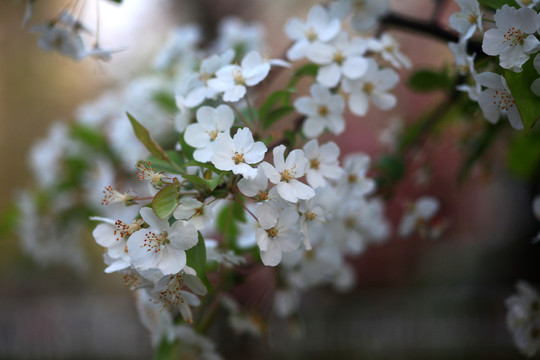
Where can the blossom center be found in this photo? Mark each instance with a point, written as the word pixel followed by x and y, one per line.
pixel 154 242
pixel 369 87
pixel 503 100
pixel 359 6
pixel 238 158
pixel 323 110
pixel 472 18
pixel 310 216
pixel 352 178
pixel 310 34
pixel 339 57
pixel 389 48
pixel 315 163
pixel 288 174
pixel 213 134
pixel 514 37
pixel 171 296
pixel 238 77
pixel 263 195
pixel 350 222
pixel 272 232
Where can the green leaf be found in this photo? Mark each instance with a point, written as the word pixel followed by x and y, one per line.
pixel 523 157
pixel 8 219
pixel 227 222
pixel 290 136
pixel 306 70
pixel 166 350
pixel 276 114
pixel 392 166
pixel 478 147
pixel 166 100
pixel 214 182
pixel 427 80
pixel 186 149
pixel 527 102
pixel 165 201
pixel 497 4
pixel 199 181
pixel 196 258
pixel 89 136
pixel 162 165
pixel 280 96
pixel 144 136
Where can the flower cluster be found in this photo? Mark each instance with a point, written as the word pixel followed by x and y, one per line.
pixel 66 33
pixel 514 39
pixel 211 172
pixel 523 318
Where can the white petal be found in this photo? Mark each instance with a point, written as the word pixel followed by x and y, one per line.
pixel 329 75
pixel 172 260
pixel 272 256
pixel 182 236
pixel 303 191
pixel 358 103
pixel 355 67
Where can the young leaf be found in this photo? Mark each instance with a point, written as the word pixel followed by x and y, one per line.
pixel 276 114
pixel 165 202
pixel 166 100
pixel 89 136
pixel 391 166
pixel 523 157
pixel 280 96
pixel 497 4
pixel 427 80
pixel 196 258
pixel 478 147
pixel 227 222
pixel 144 136
pixel 8 219
pixel 166 350
pixel 306 70
pixel 162 165
pixel 186 149
pixel 527 102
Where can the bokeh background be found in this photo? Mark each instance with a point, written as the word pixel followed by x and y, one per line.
pixel 415 299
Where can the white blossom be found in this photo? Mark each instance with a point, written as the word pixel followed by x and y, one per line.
pixel 277 234
pixel 355 181
pixel 161 246
pixel 418 215
pixel 319 26
pixel 341 57
pixel 235 154
pixel 513 39
pixel 323 110
pixel 232 80
pixel 535 86
pixel 195 212
pixel 468 20
pixel 365 13
pixel 66 41
pixel 200 89
pixel 523 318
pixel 388 48
pixel 113 236
pixel 210 123
pixel 497 99
pixel 322 163
pixel 374 86
pixel 256 187
pixel 285 173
